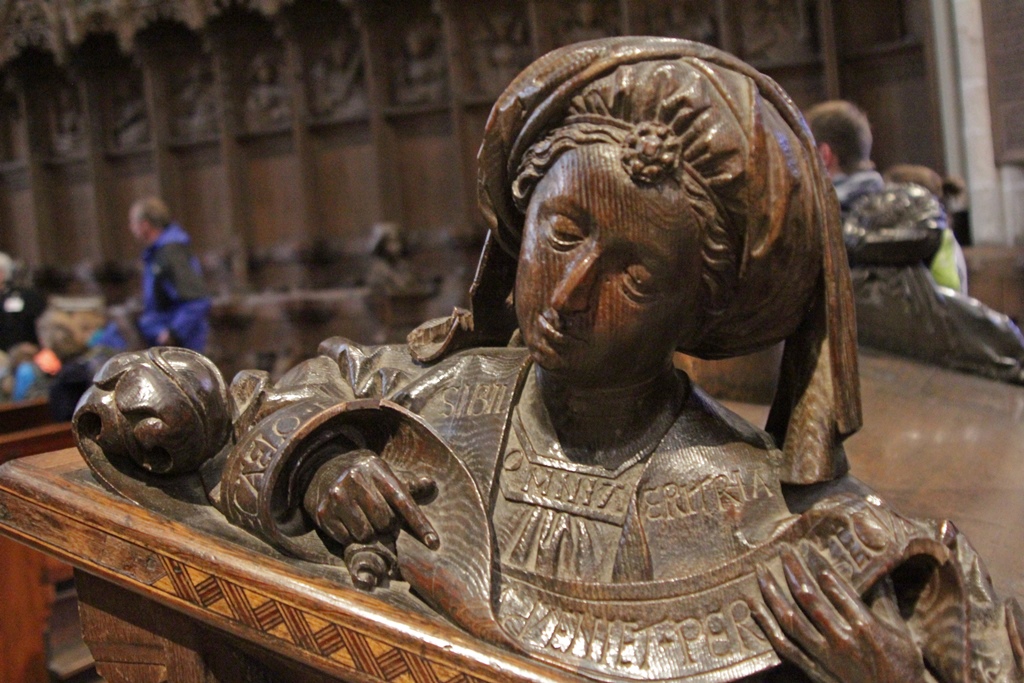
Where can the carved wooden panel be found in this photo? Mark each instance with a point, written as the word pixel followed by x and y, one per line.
pixel 66 121
pixel 419 67
pixel 884 23
pixel 777 31
pixel 266 96
pixel 425 144
pixel 131 177
pixel 690 19
pixel 203 180
pixel 218 585
pixel 7 240
pixel 897 90
pixel 272 183
pixel 31 23
pixel 18 214
pixel 126 125
pixel 496 41
pixel 805 86
pixel 581 20
pixel 13 143
pixel 346 180
pixel 137 641
pixel 354 86
pixel 73 202
pixel 194 112
pixel 335 69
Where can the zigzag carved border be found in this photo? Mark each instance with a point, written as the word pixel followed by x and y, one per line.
pixel 314 634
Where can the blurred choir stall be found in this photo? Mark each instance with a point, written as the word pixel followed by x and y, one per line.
pixel 281 133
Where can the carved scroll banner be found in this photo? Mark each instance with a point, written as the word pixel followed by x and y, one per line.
pixel 698 628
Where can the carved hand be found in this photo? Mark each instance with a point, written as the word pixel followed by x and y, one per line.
pixel 358 497
pixel 828 631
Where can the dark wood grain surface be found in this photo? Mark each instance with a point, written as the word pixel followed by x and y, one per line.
pixel 300 611
pixel 943 444
pixel 935 443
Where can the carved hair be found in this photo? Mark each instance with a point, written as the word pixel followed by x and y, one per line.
pixel 152 209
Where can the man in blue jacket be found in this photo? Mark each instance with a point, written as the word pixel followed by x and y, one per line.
pixel 175 302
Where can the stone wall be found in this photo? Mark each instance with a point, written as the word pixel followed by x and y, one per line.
pixel 996 191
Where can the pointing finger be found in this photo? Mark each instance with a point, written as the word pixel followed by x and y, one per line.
pixel 402 501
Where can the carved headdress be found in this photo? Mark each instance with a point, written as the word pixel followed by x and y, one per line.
pixel 774 262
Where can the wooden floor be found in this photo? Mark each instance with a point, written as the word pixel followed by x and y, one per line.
pixel 947 445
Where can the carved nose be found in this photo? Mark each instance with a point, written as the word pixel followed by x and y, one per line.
pixel 574 289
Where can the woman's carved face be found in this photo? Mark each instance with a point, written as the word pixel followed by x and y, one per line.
pixel 609 271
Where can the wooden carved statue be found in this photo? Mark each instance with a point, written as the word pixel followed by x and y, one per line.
pixel 500 49
pixel 267 100
pixel 891 237
pixel 588 20
pixel 777 31
pixel 337 87
pixel 421 77
pixel 194 102
pixel 538 472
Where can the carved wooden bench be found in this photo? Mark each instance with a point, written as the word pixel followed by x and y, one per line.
pixel 162 601
pixel 28 589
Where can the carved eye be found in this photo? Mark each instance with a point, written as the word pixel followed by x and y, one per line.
pixel 564 233
pixel 638 282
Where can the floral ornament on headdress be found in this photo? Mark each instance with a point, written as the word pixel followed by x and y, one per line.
pixel 650 152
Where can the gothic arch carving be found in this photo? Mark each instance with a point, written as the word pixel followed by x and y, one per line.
pixel 54 25
pixel 31 23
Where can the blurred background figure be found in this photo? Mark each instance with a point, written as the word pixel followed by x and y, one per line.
pixel 68 329
pixel 20 306
pixel 891 238
pixel 397 291
pixel 175 305
pixel 23 378
pixel 389 271
pixel 949 268
pixel 843 135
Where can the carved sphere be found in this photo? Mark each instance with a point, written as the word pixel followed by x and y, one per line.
pixel 163 410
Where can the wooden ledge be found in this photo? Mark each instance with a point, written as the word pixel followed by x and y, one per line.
pixel 41 439
pixel 308 613
pixel 18 415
